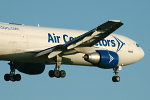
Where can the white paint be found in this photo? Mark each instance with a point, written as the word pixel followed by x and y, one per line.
pixel 22 45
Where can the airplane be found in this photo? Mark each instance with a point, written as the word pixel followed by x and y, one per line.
pixel 29 48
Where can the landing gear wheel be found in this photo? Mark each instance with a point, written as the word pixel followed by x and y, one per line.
pixel 7 77
pixel 57 73
pixel 13 77
pixel 17 77
pixel 115 78
pixel 51 73
pixel 62 73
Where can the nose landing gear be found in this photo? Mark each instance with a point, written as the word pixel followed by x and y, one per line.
pixel 115 78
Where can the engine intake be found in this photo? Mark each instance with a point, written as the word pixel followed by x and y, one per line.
pixel 103 59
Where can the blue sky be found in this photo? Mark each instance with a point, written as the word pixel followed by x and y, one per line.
pixel 81 83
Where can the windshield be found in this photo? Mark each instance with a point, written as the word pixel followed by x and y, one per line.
pixel 137 45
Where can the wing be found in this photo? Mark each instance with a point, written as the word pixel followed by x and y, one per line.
pixel 95 35
pixel 86 40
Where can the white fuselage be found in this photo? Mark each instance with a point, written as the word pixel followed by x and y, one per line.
pixel 21 43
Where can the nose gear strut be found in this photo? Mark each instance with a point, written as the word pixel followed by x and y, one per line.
pixel 116 78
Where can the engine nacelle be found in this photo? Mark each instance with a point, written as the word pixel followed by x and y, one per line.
pixel 29 68
pixel 103 59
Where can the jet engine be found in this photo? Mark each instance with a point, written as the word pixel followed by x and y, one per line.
pixel 103 59
pixel 29 68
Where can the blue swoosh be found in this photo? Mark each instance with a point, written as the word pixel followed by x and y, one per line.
pixel 120 44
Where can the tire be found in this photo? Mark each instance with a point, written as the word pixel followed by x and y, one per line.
pixel 51 73
pixel 114 78
pixel 57 73
pixel 7 77
pixel 62 73
pixel 13 77
pixel 17 77
pixel 117 78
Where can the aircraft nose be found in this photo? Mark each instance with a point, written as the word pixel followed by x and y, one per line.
pixel 140 53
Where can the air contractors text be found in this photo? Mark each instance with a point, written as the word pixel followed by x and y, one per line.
pixel 52 38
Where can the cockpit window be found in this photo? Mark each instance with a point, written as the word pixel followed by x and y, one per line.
pixel 137 45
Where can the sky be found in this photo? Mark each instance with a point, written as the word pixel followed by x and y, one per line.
pixel 81 83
